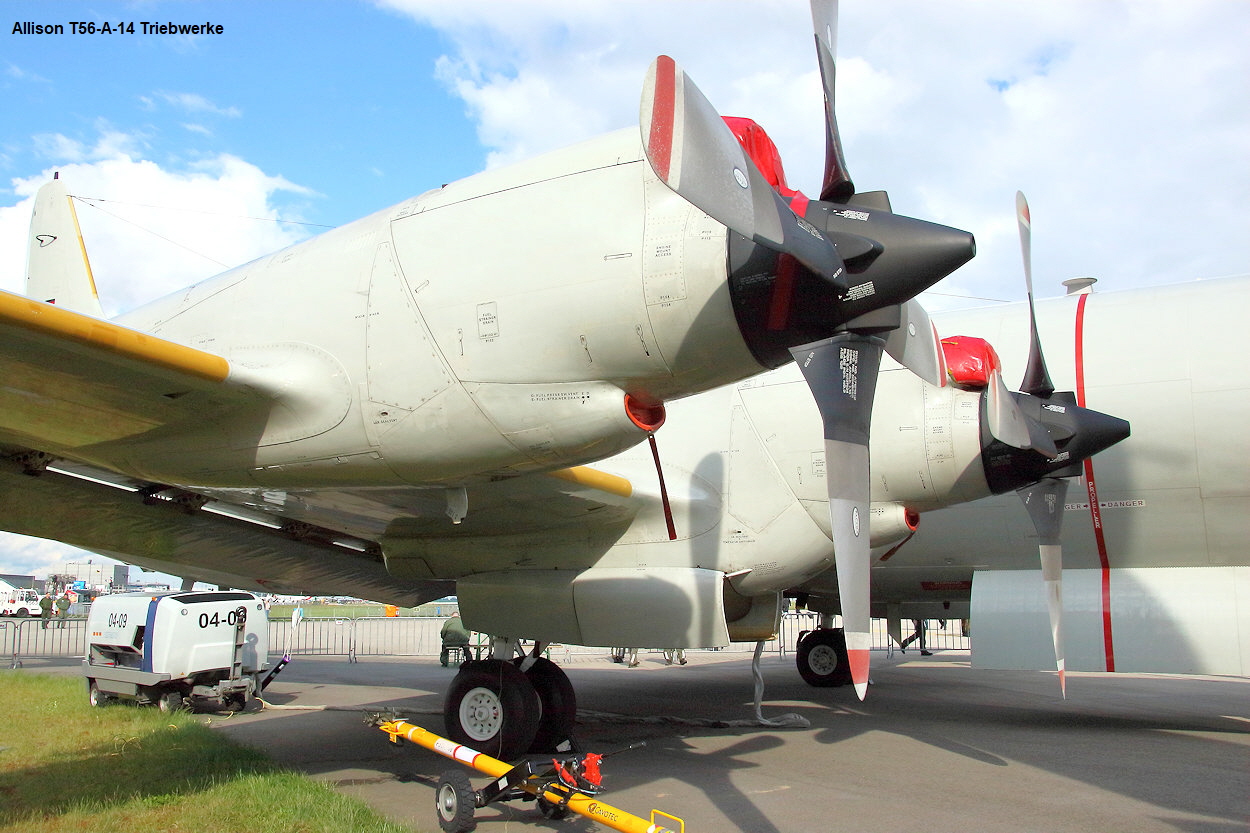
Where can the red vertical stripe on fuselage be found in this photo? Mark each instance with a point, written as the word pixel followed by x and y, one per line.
pixel 663 112
pixel 1091 490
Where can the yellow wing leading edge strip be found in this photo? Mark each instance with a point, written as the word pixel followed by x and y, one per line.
pixel 49 320
pixel 595 479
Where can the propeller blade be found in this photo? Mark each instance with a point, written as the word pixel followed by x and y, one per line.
pixel 1006 422
pixel 1010 425
pixel 694 152
pixel 837 186
pixel 916 345
pixel 842 375
pixel 1036 378
pixel 1044 501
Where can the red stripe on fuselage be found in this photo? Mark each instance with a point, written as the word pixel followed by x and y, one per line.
pixel 1092 493
pixel 663 112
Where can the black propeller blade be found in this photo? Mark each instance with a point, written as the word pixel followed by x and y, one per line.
pixel 1036 377
pixel 1034 441
pixel 842 374
pixel 837 186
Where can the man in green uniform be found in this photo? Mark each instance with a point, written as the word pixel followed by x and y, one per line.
pixel 455 638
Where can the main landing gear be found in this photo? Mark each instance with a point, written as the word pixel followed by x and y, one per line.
pixel 507 708
pixel 822 659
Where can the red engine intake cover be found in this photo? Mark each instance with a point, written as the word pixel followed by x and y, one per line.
pixel 969 361
pixel 763 152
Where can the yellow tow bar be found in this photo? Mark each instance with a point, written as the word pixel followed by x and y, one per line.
pixel 556 792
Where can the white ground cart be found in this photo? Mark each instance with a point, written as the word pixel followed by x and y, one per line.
pixel 173 649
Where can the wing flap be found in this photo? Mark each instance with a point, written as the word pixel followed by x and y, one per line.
pixel 165 536
pixel 242 539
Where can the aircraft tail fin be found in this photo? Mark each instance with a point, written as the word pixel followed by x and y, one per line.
pixel 57 269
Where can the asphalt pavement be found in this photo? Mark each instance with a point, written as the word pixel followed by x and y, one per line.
pixel 937 745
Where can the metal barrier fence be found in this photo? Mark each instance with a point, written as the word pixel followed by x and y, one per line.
pixel 419 636
pixel 412 636
pixel 42 638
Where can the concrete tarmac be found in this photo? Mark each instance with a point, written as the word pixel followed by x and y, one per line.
pixel 936 746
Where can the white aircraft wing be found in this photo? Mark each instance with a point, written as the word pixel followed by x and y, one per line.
pixel 71 380
pixel 320 541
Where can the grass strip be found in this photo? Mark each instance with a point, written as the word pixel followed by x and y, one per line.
pixel 65 766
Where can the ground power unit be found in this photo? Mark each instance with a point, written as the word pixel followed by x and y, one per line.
pixel 176 649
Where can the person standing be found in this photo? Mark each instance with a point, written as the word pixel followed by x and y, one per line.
pixel 45 609
pixel 62 609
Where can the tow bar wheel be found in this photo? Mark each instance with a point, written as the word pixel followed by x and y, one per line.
pixel 454 801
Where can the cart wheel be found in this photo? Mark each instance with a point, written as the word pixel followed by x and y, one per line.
pixel 454 801
pixel 96 697
pixel 171 701
pixel 552 811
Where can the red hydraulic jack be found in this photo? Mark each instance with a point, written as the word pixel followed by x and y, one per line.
pixel 561 784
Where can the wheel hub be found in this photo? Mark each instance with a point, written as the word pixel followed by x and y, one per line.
pixel 447 803
pixel 823 659
pixel 481 714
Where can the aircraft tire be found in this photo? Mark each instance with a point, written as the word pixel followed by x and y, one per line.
pixel 822 659
pixel 492 707
pixel 558 701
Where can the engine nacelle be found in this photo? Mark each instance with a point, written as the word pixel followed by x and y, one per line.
pixel 576 265
pixel 656 607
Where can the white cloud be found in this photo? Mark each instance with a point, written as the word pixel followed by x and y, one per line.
pixel 110 144
pixel 40 558
pixel 1127 123
pixel 18 74
pixel 36 557
pixel 194 103
pixel 153 230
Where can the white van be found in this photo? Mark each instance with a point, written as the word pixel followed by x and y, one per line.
pixel 19 601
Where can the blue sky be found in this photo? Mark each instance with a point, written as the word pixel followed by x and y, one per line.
pixel 1126 123
pixel 327 95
